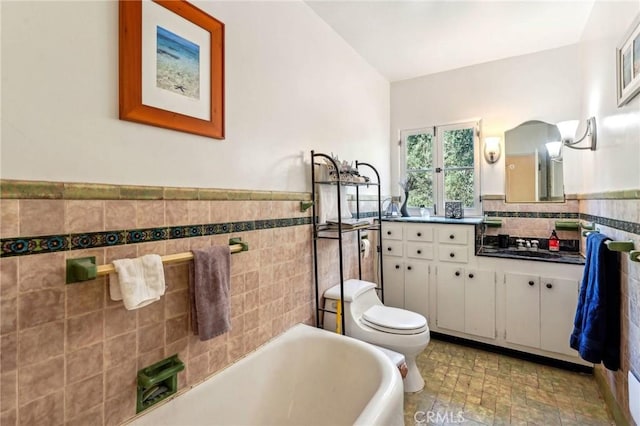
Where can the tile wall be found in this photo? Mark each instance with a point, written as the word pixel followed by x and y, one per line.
pixel 619 219
pixel 618 216
pixel 69 355
pixel 531 220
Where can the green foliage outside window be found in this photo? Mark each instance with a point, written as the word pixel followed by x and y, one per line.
pixel 458 167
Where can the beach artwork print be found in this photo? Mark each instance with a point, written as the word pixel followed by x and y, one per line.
pixel 177 64
pixel 636 57
pixel 626 68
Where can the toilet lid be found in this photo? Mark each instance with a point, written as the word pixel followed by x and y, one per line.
pixel 394 320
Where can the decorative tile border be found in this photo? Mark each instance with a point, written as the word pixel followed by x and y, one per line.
pixel 20 189
pixel 621 225
pixel 533 215
pixel 22 246
pixel 627 194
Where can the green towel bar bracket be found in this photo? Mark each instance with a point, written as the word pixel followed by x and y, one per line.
pixel 305 205
pixel 567 225
pixel 492 223
pixel 588 225
pixel 81 269
pixel 238 240
pixel 625 246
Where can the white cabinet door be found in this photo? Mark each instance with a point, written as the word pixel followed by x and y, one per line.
pixel 416 287
pixel 450 298
pixel 558 301
pixel 480 303
pixel 393 270
pixel 522 309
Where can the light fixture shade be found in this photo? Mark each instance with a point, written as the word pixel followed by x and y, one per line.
pixel 553 148
pixel 492 149
pixel 568 129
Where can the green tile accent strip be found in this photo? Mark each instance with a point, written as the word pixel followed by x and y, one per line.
pixel 141 193
pixel 180 194
pixel 89 191
pixel 19 189
pixel 496 197
pixel 532 215
pixel 14 189
pixel 627 194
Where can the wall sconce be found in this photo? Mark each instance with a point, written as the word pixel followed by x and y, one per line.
pixel 567 131
pixel 492 149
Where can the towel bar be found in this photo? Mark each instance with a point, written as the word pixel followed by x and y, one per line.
pixel 85 269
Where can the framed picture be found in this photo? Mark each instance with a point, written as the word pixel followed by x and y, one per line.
pixel 628 65
pixel 171 66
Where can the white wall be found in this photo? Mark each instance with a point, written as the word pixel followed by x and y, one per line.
pixel 541 86
pixel 615 165
pixel 292 85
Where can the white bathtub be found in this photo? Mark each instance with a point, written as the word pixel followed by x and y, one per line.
pixel 305 376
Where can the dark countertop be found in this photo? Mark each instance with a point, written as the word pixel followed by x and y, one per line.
pixel 435 219
pixel 573 258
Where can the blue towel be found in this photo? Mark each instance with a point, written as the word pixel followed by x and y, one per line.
pixel 596 332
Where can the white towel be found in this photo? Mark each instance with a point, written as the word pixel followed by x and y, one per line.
pixel 138 282
pixel 328 203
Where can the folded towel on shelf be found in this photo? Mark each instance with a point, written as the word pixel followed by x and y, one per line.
pixel 209 289
pixel 596 332
pixel 137 282
pixel 328 203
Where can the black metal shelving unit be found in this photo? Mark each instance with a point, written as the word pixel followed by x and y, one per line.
pixel 322 232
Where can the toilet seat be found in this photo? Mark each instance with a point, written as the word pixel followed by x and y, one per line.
pixel 394 320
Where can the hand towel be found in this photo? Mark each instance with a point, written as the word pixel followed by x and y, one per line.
pixel 596 332
pixel 209 284
pixel 138 281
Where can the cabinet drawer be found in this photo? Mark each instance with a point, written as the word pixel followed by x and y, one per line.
pixel 420 251
pixel 455 234
pixel 392 248
pixel 450 253
pixel 419 233
pixel 391 231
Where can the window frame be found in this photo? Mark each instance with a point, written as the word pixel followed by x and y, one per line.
pixel 438 162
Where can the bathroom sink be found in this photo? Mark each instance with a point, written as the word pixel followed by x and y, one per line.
pixel 542 255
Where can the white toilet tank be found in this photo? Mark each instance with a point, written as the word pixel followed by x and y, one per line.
pixel 363 292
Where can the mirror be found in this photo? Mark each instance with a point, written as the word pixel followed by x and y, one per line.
pixel 531 175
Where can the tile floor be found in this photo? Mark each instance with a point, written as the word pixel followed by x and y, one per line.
pixel 474 387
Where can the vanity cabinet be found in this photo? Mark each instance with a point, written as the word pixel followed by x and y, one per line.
pixel 466 300
pixel 407 284
pixel 539 311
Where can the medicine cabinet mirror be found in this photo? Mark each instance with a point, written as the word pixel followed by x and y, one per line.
pixel 531 175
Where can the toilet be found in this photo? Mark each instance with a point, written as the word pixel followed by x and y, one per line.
pixel 367 319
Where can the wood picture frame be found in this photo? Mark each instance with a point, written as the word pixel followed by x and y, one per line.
pixel 628 65
pixel 171 66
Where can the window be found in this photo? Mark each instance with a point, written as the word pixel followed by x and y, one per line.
pixel 445 164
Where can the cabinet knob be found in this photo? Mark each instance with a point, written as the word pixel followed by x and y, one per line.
pixel 409 267
pixel 388 232
pixel 397 266
pixel 451 237
pixel 452 255
pixel 419 251
pixel 470 275
pixel 419 234
pixel 457 273
pixel 549 285
pixel 388 248
pixel 531 283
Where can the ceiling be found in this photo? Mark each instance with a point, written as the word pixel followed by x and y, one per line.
pixel 405 39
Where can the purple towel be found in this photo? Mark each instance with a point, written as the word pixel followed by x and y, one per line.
pixel 209 279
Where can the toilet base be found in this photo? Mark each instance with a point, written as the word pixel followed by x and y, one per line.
pixel 414 381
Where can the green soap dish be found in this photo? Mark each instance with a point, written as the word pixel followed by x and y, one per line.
pixel 157 382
